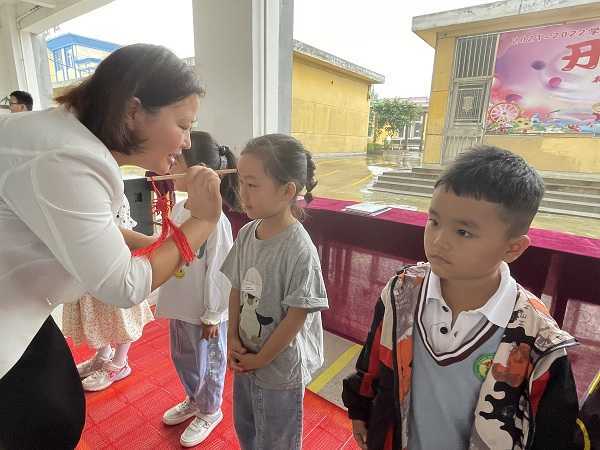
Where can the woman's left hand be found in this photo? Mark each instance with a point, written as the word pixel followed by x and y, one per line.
pixel 209 331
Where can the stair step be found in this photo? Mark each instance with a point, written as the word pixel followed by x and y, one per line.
pixel 575 189
pixel 425 176
pixel 404 186
pixel 571 205
pixel 548 179
pixel 576 196
pixel 399 192
pixel 572 182
pixel 589 190
pixel 424 170
pixel 565 212
pixel 553 206
pixel 590 199
pixel 572 202
pixel 408 179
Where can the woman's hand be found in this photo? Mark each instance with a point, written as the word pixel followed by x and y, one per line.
pixel 204 197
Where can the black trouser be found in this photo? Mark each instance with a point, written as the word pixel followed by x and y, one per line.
pixel 42 405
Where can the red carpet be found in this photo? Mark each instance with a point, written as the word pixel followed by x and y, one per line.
pixel 128 414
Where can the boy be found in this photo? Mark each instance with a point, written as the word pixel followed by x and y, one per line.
pixel 460 356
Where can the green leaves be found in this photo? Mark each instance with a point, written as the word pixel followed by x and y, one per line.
pixel 392 115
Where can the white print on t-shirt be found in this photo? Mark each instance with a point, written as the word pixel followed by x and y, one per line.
pixel 251 322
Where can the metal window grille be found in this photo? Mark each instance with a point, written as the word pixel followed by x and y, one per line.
pixel 474 56
pixel 455 145
pixel 472 74
pixel 469 103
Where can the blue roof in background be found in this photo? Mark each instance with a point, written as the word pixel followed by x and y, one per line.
pixel 68 39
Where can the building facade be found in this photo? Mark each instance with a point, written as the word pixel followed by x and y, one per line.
pixel 520 75
pixel 330 96
pixel 72 57
pixel 330 101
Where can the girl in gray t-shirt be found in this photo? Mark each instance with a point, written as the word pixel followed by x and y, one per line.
pixel 275 336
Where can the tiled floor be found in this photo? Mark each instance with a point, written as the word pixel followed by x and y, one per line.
pixel 128 414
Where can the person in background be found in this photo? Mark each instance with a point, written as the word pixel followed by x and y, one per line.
pixel 102 326
pixel 20 101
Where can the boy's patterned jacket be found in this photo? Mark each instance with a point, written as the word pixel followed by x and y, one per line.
pixel 527 400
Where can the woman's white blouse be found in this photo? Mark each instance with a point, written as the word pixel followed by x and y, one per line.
pixel 59 190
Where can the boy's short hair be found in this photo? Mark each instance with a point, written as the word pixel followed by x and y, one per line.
pixel 498 176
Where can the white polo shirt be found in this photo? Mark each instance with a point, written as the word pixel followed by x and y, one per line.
pixel 435 316
pixel 59 190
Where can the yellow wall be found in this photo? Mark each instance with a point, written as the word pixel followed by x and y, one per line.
pixel 438 100
pixel 551 152
pixel 86 52
pixel 330 107
pixel 569 153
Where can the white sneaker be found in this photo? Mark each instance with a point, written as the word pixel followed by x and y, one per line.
pixel 86 368
pixel 180 412
pixel 103 378
pixel 199 429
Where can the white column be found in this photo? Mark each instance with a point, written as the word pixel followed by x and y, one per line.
pixel 40 58
pixel 286 48
pixel 29 64
pixel 12 71
pixel 237 52
pixel 23 61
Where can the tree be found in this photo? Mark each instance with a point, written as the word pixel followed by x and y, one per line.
pixel 392 115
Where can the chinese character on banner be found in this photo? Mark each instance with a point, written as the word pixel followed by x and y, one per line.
pixel 581 51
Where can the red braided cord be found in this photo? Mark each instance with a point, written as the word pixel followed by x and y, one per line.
pixel 162 206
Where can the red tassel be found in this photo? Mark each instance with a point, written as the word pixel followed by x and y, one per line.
pixel 162 206
pixel 187 254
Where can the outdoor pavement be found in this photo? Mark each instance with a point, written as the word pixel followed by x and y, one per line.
pixel 348 178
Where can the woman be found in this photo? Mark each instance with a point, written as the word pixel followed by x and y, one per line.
pixel 59 187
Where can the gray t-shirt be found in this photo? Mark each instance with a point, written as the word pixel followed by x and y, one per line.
pixel 273 275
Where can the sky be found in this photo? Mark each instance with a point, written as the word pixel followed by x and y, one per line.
pixel 375 34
